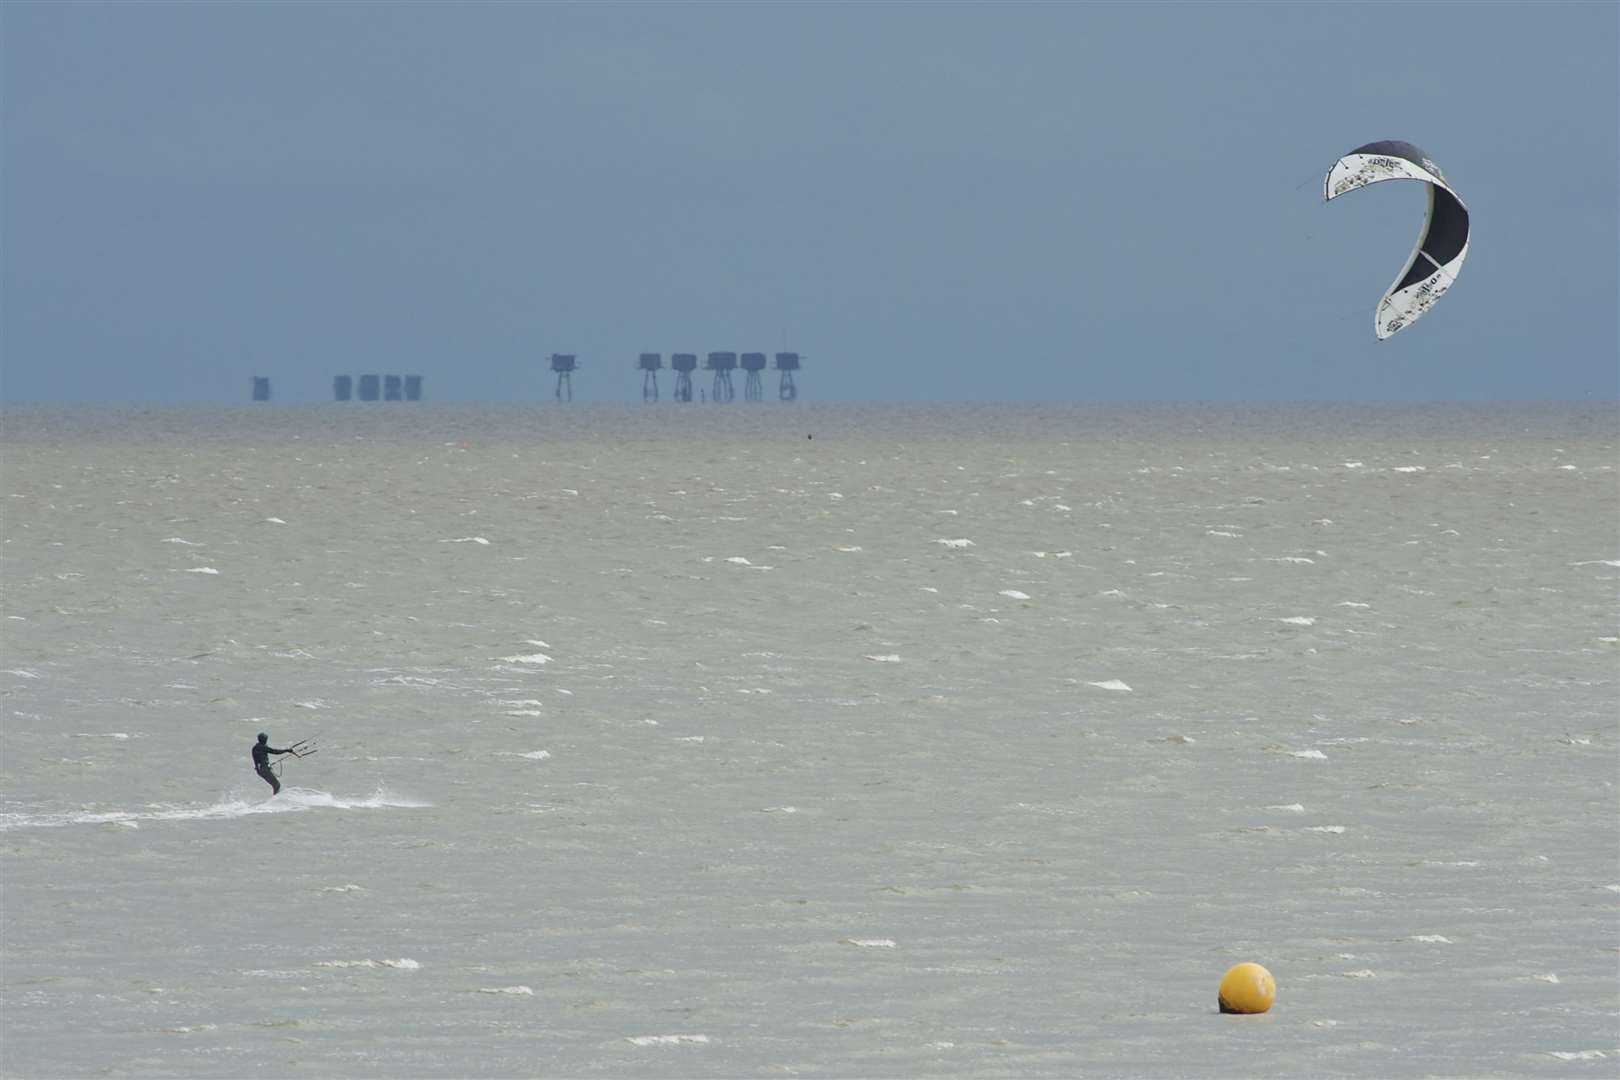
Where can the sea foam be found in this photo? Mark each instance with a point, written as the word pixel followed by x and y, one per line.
pixel 292 800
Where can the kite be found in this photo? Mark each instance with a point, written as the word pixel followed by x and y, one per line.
pixel 1441 247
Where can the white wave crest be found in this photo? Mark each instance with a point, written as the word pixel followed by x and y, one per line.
pixel 292 800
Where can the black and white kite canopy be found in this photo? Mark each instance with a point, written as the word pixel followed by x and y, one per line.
pixel 1443 244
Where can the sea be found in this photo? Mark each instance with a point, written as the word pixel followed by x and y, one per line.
pixel 809 740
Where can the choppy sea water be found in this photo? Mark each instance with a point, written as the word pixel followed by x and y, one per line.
pixel 814 741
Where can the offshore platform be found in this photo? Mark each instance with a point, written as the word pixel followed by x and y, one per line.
pixel 389 387
pixel 753 363
pixel 564 364
pixel 377 387
pixel 649 364
pixel 787 363
pixel 684 364
pixel 722 364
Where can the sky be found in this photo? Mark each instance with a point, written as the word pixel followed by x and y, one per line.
pixel 1052 202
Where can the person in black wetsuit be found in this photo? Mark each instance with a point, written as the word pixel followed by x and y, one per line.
pixel 261 762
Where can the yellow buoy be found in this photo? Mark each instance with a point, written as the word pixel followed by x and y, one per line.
pixel 1247 988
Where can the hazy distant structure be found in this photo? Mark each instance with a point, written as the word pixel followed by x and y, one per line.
pixel 261 388
pixel 649 364
pixel 392 387
pixel 787 363
pixel 564 364
pixel 722 364
pixel 753 363
pixel 684 364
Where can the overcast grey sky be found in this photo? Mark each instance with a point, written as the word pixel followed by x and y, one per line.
pixel 1063 202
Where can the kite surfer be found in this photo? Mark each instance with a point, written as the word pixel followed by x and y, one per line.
pixel 261 761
